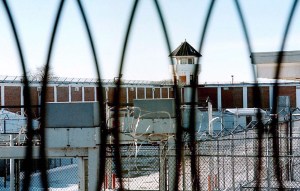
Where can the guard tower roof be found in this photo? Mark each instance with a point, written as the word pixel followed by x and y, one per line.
pixel 185 49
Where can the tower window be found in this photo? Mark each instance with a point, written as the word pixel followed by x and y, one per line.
pixel 191 79
pixel 190 61
pixel 184 61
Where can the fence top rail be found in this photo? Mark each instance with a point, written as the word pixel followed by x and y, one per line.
pixel 69 80
pixel 167 82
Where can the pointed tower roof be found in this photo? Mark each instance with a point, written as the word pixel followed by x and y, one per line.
pixel 185 49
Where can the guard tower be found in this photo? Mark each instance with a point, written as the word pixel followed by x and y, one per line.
pixel 185 56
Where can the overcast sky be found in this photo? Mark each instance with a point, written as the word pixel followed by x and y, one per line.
pixel 224 52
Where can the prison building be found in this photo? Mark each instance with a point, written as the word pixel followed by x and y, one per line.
pixel 237 95
pixel 186 68
pixel 266 64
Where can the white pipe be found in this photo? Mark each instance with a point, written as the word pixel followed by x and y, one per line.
pixel 160 93
pixel 70 93
pixel 136 93
pixel 2 95
pixel 82 94
pixel 245 97
pixel 209 108
pixel 95 93
pixel 219 98
pixel 271 90
pixel 12 167
pixel 22 99
pixel 127 95
pixel 55 93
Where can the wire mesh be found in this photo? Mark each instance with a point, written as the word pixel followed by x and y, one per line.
pixel 62 174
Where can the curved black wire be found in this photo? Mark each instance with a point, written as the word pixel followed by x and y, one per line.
pixel 179 128
pixel 274 123
pixel 100 98
pixel 27 100
pixel 43 163
pixel 102 155
pixel 192 120
pixel 256 94
pixel 116 100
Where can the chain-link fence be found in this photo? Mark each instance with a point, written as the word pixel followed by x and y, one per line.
pixel 62 174
pixel 231 162
pixel 225 163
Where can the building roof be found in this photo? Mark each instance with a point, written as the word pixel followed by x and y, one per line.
pixel 185 49
pixel 271 57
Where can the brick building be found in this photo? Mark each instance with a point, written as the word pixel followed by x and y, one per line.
pixel 232 95
pixel 238 95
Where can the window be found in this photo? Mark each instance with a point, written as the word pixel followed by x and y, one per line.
pixel 184 61
pixel 190 61
pixel 191 79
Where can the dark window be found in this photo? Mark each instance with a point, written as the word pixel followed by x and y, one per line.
pixel 191 79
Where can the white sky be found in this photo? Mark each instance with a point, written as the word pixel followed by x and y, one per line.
pixel 224 53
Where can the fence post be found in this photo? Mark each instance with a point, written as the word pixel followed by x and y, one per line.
pixel 218 164
pixel 232 161
pixel 93 167
pixel 81 173
pixel 171 164
pixel 183 168
pixel 211 167
pixel 290 143
pixel 17 175
pixel 162 167
pixel 223 162
pixel 268 163
pixel 246 155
